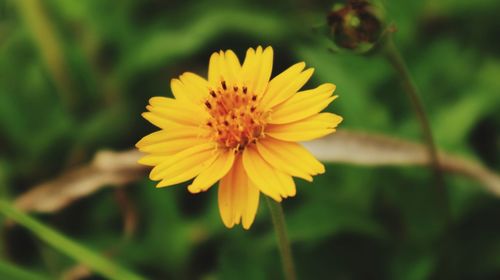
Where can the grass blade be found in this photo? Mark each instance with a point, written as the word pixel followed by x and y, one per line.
pixel 66 246
pixel 10 271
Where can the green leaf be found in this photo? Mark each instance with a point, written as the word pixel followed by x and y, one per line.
pixel 158 47
pixel 66 246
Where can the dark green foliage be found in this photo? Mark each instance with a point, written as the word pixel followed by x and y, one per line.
pixel 351 223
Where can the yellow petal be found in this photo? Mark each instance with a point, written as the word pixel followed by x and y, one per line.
pixel 248 69
pixel 153 160
pixel 180 117
pixel 272 182
pixel 232 67
pixel 168 113
pixel 195 87
pixel 164 135
pixel 248 63
pixel 285 85
pixel 172 146
pixel 224 66
pixel 190 158
pixel 167 143
pixel 160 121
pixel 290 157
pixel 189 88
pixel 177 111
pixel 256 69
pixel 274 152
pixel 287 184
pixel 213 173
pixel 251 196
pixel 304 104
pixel 186 170
pixel 305 130
pixel 263 72
pixel 238 197
pixel 227 205
pixel 214 70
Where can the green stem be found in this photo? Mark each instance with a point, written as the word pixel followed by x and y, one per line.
pixel 67 246
pixel 396 60
pixel 281 235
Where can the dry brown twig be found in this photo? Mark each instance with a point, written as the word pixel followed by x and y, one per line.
pixel 120 168
pixel 379 150
pixel 107 169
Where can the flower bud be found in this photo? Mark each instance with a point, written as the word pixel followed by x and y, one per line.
pixel 356 25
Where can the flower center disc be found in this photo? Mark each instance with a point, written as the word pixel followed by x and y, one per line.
pixel 235 120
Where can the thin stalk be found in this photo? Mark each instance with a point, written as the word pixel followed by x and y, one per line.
pixel 4 194
pixel 396 60
pixel 3 249
pixel 281 235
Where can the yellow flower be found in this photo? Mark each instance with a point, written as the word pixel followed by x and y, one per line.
pixel 239 128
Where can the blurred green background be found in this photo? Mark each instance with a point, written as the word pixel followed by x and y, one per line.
pixel 75 76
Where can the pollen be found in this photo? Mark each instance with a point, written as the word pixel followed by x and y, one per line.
pixel 234 118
